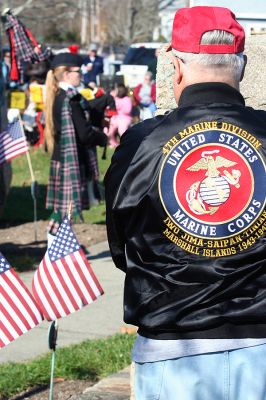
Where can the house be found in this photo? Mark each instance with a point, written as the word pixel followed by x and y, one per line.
pixel 251 15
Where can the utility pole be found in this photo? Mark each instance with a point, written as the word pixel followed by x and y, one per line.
pixel 92 19
pixel 98 21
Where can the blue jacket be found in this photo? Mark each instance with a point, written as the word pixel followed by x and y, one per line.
pixel 97 69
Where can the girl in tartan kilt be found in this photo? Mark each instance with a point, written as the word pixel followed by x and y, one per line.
pixel 68 136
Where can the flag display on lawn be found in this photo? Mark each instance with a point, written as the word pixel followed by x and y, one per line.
pixel 13 142
pixel 18 310
pixel 64 281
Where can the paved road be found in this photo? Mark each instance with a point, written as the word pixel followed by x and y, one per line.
pixel 100 319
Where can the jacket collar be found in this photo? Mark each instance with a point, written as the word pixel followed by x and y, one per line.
pixel 210 92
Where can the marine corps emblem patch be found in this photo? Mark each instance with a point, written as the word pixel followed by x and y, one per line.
pixel 213 188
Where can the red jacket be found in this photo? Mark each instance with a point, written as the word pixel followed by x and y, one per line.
pixel 137 90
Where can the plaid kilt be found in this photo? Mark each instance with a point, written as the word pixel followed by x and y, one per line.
pixel 67 179
pixel 92 164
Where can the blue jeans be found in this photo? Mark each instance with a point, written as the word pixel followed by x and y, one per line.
pixel 231 375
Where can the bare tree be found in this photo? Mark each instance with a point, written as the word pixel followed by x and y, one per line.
pixel 105 21
pixel 132 21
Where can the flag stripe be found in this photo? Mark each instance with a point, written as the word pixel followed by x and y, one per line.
pixel 12 155
pixel 66 281
pixel 5 335
pixel 46 290
pixel 33 313
pixel 80 269
pixel 85 296
pixel 14 151
pixel 13 318
pixel 55 303
pixel 13 310
pixel 41 297
pixel 18 311
pixel 11 303
pixel 2 344
pixel 12 330
pixel 61 294
pixel 9 144
pixel 73 280
pixel 90 274
pixel 23 298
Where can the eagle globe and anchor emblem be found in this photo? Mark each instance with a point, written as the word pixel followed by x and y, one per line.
pixel 212 189
pixel 206 196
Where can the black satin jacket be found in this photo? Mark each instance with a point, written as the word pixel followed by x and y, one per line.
pixel 186 218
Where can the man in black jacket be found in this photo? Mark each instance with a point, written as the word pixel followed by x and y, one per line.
pixel 186 221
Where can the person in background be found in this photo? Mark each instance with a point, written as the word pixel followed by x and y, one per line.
pixel 185 214
pixel 121 121
pixel 6 67
pixel 68 133
pixel 152 66
pixel 145 96
pixel 97 108
pixel 92 66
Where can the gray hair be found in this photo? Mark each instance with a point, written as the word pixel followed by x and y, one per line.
pixel 234 62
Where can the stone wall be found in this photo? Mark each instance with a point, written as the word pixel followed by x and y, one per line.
pixel 253 86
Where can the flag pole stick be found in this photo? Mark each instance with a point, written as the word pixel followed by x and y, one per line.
pixel 52 376
pixel 52 337
pixel 33 186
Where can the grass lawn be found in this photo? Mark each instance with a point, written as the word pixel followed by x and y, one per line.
pixel 19 207
pixel 92 360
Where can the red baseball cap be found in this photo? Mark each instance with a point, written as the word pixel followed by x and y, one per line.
pixel 191 23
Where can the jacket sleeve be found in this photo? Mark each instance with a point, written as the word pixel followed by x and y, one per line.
pixel 87 134
pixel 116 220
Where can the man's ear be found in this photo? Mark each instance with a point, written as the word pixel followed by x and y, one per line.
pixel 244 67
pixel 178 67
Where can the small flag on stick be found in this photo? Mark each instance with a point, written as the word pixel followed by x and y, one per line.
pixel 13 142
pixel 64 281
pixel 18 310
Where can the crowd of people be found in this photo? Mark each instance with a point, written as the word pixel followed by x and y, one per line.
pixel 62 103
pixel 138 102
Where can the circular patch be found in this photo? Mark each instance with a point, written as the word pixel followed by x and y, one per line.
pixel 212 184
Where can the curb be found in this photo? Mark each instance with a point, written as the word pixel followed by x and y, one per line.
pixel 114 387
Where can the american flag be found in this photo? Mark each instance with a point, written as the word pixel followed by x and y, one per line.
pixel 64 281
pixel 18 310
pixel 13 142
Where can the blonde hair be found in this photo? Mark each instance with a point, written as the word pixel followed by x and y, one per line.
pixel 52 87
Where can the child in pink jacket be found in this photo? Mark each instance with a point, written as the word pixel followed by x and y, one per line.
pixel 122 120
